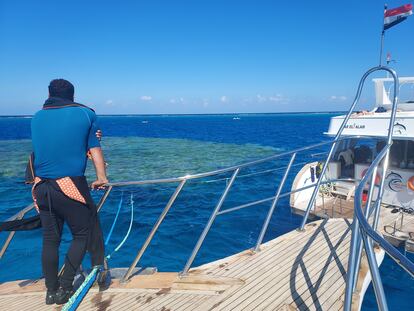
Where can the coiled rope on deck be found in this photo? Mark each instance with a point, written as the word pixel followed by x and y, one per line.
pixel 83 289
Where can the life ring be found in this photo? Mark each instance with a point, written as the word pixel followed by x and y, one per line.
pixel 377 178
pixel 410 183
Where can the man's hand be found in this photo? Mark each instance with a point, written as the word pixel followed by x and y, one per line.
pixel 99 184
pixel 98 134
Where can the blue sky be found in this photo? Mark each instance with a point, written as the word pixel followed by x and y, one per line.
pixel 195 56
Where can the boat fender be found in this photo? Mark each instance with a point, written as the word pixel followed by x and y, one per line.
pixel 312 173
pixel 410 183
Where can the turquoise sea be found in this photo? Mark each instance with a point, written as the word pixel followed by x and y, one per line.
pixel 147 147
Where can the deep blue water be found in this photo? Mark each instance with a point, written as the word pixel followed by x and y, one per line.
pixel 141 147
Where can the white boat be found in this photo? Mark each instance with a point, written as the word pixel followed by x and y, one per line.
pixel 367 132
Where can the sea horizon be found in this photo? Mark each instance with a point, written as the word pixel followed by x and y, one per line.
pixel 194 114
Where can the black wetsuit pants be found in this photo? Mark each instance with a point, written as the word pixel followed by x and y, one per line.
pixel 81 221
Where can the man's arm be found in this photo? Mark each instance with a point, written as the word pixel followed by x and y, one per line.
pixel 98 135
pixel 99 163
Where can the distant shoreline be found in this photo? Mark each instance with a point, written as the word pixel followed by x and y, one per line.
pixel 193 114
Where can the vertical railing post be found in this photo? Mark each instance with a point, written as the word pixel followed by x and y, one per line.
pixel 153 230
pixel 376 278
pixel 355 254
pixel 209 223
pixel 377 207
pixel 7 242
pixel 375 274
pixel 367 212
pixel 103 198
pixel 350 275
pixel 389 143
pixel 274 203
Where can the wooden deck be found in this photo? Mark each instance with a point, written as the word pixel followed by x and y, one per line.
pixel 297 271
pixel 395 227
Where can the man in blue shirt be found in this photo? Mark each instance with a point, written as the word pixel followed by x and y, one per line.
pixel 62 134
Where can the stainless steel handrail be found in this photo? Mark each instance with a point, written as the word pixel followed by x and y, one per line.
pixel 367 234
pixel 363 234
pixel 256 173
pixel 228 169
pixel 183 179
pixel 22 212
pixel 217 211
pixel 18 215
pixel 169 204
pixel 209 224
pixel 153 230
pixel 399 258
pixel 356 243
pixel 337 136
pixel 285 194
pixel 273 206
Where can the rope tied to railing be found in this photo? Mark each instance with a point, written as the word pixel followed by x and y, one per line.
pixel 74 301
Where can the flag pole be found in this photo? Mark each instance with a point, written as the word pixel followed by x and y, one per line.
pixel 382 44
pixel 382 36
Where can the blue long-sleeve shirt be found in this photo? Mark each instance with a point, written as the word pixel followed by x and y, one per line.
pixel 61 138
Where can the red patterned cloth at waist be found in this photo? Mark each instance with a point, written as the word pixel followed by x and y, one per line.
pixel 66 185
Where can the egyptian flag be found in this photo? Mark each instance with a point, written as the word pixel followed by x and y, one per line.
pixel 395 16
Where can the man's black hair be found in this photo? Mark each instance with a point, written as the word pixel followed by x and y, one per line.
pixel 61 88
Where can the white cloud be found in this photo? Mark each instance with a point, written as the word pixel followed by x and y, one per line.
pixel 276 98
pixel 177 100
pixel 261 98
pixel 338 98
pixel 273 98
pixel 224 99
pixel 109 102
pixel 145 98
pixel 205 103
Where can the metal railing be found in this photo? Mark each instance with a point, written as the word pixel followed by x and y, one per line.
pixel 364 234
pixel 234 170
pixel 9 238
pixel 218 210
pixel 339 134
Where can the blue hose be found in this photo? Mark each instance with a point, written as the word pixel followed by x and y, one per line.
pixel 74 301
pixel 115 220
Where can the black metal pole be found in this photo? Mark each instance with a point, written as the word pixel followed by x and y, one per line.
pixel 382 44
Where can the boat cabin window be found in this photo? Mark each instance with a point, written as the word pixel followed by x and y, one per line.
pixel 356 151
pixel 397 154
pixel 354 155
pixel 402 154
pixel 410 154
